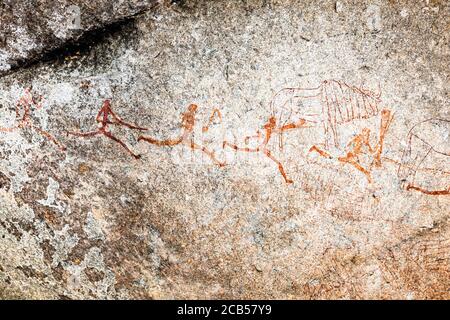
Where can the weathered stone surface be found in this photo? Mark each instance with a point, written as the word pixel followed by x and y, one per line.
pixel 94 222
pixel 29 28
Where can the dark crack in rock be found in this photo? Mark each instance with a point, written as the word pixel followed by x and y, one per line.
pixel 29 29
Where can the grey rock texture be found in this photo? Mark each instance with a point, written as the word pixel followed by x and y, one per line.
pixel 91 221
pixel 31 28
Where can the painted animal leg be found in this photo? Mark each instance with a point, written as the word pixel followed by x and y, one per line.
pixel 109 135
pixel 429 192
pixel 419 163
pixel 167 143
pixel 50 137
pixel 350 159
pixel 386 120
pixel 280 166
pixel 320 152
pixel 124 123
pixel 295 125
pixel 209 153
pixel 290 126
pixel 235 147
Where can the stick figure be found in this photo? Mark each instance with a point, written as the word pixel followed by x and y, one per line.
pixel 270 127
pixel 352 157
pixel 362 140
pixel 26 102
pixel 103 120
pixel 186 137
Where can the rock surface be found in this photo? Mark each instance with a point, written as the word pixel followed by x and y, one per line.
pixel 91 221
pixel 31 28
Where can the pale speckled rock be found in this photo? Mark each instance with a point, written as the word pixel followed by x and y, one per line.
pixel 93 222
